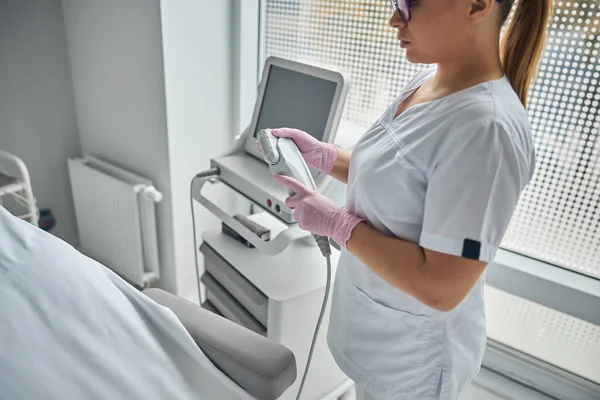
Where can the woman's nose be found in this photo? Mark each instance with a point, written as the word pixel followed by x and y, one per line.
pixel 396 21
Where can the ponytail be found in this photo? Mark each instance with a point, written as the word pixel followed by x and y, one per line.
pixel 523 43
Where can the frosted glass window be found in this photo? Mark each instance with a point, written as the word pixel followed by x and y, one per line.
pixel 558 218
pixel 544 333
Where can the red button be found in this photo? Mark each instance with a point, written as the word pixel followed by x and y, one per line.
pixel 269 203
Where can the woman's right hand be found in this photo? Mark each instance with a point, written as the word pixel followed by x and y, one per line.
pixel 317 154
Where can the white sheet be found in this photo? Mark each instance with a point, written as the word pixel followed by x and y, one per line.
pixel 72 329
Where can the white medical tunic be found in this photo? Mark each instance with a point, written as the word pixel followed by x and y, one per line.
pixel 447 175
pixel 71 329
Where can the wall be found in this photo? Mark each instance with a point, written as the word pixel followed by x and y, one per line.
pixel 153 91
pixel 116 62
pixel 37 115
pixel 197 43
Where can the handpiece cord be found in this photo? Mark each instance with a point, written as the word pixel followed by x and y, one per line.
pixel 205 174
pixel 323 243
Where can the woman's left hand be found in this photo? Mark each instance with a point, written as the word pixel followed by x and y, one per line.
pixel 317 213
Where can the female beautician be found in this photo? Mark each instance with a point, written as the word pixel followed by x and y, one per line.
pixel 432 186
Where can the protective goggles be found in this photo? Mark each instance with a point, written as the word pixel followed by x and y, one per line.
pixel 403 8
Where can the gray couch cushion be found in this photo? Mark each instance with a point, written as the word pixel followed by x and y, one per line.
pixel 263 368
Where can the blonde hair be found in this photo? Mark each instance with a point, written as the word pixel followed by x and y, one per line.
pixel 522 45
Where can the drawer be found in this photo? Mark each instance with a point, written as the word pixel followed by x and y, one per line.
pixel 229 307
pixel 239 287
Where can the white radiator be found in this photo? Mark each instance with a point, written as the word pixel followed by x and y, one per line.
pixel 116 218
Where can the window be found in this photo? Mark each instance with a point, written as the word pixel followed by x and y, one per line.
pixel 558 218
pixel 549 335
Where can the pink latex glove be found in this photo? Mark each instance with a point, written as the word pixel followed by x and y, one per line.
pixel 317 154
pixel 317 213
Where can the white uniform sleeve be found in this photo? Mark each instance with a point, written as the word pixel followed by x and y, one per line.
pixel 472 193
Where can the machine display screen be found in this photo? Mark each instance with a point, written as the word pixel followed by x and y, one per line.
pixel 296 100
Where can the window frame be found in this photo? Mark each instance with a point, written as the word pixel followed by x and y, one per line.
pixel 508 372
pixel 246 58
pixel 546 284
pixel 504 370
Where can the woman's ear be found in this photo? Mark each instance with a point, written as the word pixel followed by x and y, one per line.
pixel 479 9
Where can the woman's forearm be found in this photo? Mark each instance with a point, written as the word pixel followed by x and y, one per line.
pixel 398 262
pixel 342 163
pixel 440 281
